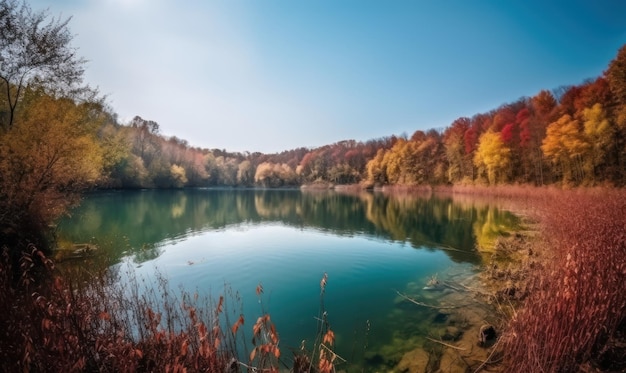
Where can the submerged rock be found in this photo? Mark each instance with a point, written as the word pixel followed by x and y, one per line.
pixel 452 333
pixel 486 335
pixel 75 251
pixel 441 317
pixel 415 361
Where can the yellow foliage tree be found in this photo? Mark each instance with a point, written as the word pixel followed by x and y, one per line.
pixel 565 145
pixel 394 162
pixel 376 172
pixel 179 176
pixel 600 135
pixel 492 157
pixel 270 174
pixel 49 155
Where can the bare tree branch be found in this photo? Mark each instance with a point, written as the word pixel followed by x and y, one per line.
pixel 35 49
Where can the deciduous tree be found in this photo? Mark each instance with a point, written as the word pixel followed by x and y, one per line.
pixel 616 76
pixel 35 48
pixel 455 149
pixel 49 155
pixel 565 146
pixel 493 157
pixel 600 136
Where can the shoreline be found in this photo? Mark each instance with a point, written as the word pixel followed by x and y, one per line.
pixel 550 284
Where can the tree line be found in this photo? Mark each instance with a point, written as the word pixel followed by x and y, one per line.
pixel 571 136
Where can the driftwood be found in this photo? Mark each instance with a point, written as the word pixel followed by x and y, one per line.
pixel 424 304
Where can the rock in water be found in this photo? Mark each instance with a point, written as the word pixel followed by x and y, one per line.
pixel 415 361
pixel 486 335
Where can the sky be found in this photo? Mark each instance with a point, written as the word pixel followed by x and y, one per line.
pixel 274 75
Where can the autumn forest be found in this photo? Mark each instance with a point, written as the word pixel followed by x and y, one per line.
pixel 59 137
pixel 572 136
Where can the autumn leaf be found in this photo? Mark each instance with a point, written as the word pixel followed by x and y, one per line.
pixel 104 316
pixel 258 326
pixel 220 305
pixel 237 324
pixel 276 352
pixel 324 281
pixel 183 348
pixel 329 337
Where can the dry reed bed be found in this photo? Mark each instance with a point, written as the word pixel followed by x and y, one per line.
pixel 574 318
pixel 65 322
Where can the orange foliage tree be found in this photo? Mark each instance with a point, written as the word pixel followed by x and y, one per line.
pixel 565 146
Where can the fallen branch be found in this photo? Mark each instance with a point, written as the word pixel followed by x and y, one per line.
pixel 450 285
pixel 448 248
pixel 474 290
pixel 446 344
pixel 424 304
pixel 493 349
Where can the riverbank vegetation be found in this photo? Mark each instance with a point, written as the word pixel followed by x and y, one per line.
pixel 59 321
pixel 58 138
pixel 558 286
pixel 574 318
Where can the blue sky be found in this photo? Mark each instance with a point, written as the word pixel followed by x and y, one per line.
pixel 272 75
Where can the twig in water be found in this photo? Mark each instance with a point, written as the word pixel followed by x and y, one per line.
pixel 333 352
pixel 424 304
pixel 446 344
pixel 488 357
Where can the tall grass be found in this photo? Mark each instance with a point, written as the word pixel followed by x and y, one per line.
pixel 575 318
pixel 64 322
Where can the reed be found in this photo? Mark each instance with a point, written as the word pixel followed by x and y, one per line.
pixel 575 316
pixel 61 321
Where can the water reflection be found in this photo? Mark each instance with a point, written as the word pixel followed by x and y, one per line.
pixel 139 223
pixel 368 243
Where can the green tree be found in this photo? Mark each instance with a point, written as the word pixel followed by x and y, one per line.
pixel 34 48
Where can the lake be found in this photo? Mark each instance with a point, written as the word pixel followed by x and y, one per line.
pixel 371 246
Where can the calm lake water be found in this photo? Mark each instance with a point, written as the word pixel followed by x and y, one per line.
pixel 369 244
